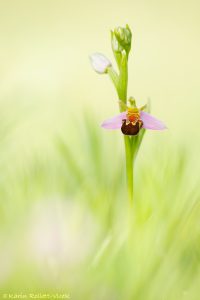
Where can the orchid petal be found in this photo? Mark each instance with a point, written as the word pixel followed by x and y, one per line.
pixel 150 122
pixel 99 62
pixel 115 122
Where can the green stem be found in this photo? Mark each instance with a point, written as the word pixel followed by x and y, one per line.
pixel 121 84
pixel 129 168
pixel 122 93
pixel 123 79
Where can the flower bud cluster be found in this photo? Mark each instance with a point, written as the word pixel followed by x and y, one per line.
pixel 121 39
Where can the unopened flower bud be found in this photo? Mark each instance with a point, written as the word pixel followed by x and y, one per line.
pixel 100 63
pixel 115 44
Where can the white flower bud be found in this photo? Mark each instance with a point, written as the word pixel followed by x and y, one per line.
pixel 100 63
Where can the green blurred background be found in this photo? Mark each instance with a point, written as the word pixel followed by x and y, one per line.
pixel 63 206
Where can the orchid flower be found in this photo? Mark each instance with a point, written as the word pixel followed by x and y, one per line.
pixel 132 120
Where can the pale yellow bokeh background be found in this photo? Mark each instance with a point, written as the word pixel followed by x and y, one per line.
pixel 47 85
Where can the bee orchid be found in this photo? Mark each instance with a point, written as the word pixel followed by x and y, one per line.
pixel 132 120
